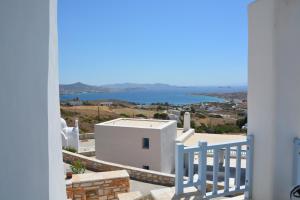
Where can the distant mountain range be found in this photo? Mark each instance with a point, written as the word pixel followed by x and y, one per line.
pixel 77 88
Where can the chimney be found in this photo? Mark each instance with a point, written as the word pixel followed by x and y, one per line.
pixel 186 121
pixel 76 123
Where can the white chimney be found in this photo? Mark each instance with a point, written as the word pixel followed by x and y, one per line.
pixel 76 123
pixel 187 121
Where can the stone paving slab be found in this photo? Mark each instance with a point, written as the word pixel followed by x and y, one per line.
pixel 130 195
pixel 190 193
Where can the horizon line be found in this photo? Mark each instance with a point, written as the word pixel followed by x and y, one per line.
pixel 174 85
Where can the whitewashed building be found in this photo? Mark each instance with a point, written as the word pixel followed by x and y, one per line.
pixel 69 135
pixel 143 143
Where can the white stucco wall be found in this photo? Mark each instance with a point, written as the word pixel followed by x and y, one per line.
pixel 123 145
pixel 168 140
pixel 30 145
pixel 274 69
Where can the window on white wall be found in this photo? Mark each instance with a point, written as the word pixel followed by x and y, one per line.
pixel 146 143
pixel 146 167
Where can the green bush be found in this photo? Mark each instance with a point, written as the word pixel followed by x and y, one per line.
pixel 241 122
pixel 141 115
pixel 193 110
pixel 87 103
pixel 124 115
pixel 78 167
pixel 225 128
pixel 193 124
pixel 71 149
pixel 179 125
pixel 161 116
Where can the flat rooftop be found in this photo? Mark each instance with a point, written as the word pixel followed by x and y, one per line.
pixel 138 123
pixel 212 138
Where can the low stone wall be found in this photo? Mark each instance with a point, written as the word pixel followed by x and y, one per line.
pixel 102 185
pixel 88 153
pixel 134 173
pixel 184 136
pixel 86 136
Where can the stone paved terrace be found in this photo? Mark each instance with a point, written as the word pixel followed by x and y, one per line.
pixel 86 145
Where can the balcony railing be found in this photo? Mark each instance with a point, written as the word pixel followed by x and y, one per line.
pixel 223 152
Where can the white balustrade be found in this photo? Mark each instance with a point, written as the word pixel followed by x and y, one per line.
pixel 221 154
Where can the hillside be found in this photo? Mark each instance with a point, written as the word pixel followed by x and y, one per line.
pixel 79 87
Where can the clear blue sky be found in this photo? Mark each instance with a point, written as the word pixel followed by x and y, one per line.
pixel 179 42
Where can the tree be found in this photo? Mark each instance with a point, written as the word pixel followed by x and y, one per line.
pixel 193 109
pixel 241 122
pixel 161 116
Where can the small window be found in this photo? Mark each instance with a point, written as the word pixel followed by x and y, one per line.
pixel 146 167
pixel 146 143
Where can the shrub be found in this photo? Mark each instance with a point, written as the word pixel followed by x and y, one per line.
pixel 78 167
pixel 241 122
pixel 179 125
pixel 124 115
pixel 193 124
pixel 193 110
pixel 87 103
pixel 141 115
pixel 71 149
pixel 225 128
pixel 161 116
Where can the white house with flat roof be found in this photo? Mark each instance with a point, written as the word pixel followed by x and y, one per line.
pixel 143 143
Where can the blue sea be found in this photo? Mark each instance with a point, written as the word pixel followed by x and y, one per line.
pixel 179 96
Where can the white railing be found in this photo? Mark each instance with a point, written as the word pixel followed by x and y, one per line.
pixel 199 180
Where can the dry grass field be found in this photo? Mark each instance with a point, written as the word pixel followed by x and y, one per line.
pixel 90 115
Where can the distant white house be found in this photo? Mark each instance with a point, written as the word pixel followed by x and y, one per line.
pixel 174 115
pixel 108 104
pixel 75 103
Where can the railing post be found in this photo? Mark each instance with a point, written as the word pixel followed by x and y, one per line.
pixel 238 167
pixel 191 167
pixel 221 157
pixel 202 167
pixel 215 171
pixel 179 156
pixel 227 169
pixel 249 167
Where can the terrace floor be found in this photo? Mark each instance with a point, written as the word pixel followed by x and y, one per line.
pixel 190 193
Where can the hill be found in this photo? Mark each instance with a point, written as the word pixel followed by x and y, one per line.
pixel 79 87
